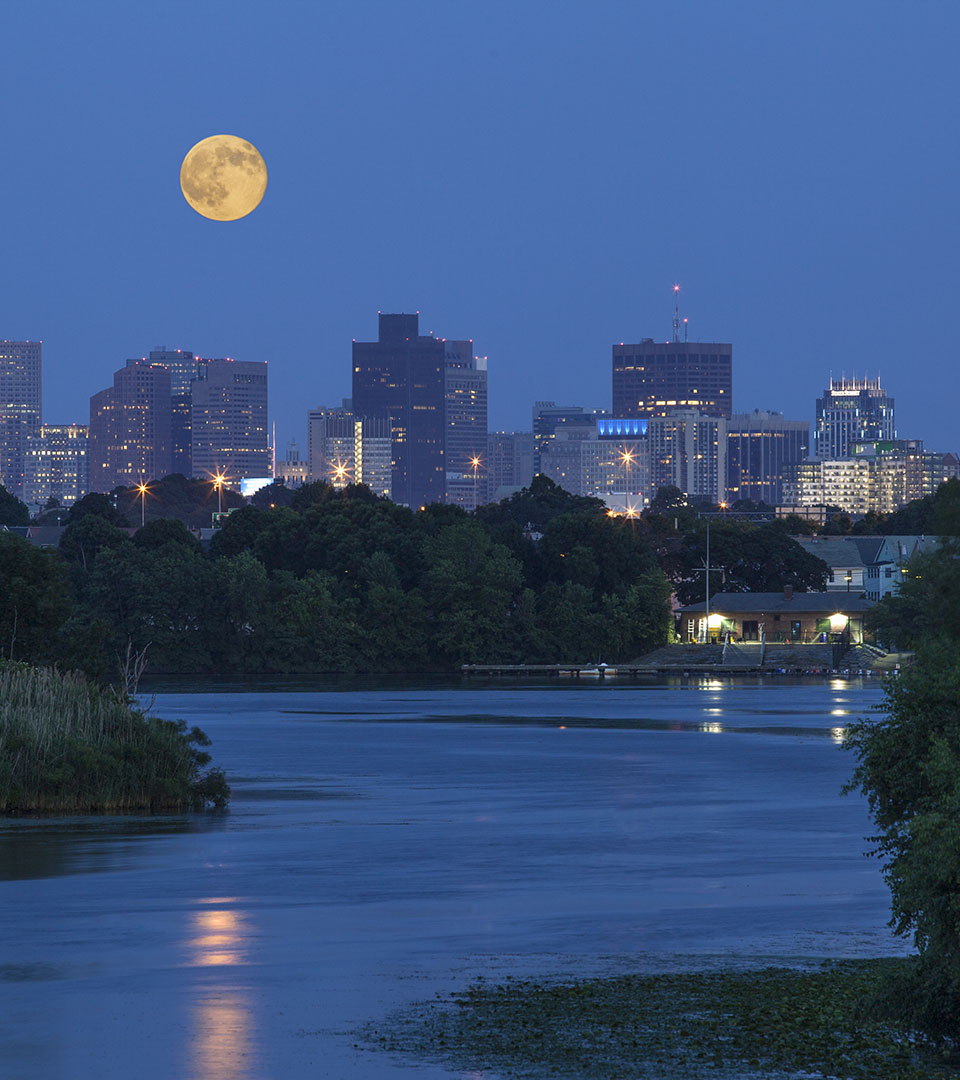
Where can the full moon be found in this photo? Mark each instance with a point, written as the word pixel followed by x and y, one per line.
pixel 223 177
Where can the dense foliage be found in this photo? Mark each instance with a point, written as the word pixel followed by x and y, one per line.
pixel 909 769
pixel 342 581
pixel 69 745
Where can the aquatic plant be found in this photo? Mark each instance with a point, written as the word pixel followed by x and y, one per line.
pixel 774 1022
pixel 69 745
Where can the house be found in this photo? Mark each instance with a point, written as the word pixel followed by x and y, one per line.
pixel 777 617
pixel 866 564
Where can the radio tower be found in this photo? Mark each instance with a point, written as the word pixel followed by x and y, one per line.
pixel 676 313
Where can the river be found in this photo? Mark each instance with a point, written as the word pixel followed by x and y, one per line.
pixel 389 839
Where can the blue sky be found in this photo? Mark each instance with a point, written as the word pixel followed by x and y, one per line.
pixel 533 175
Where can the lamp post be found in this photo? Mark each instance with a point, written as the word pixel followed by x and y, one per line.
pixel 626 456
pixel 218 480
pixel 142 488
pixel 475 462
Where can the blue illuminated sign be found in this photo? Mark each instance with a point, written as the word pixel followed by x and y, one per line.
pixel 621 429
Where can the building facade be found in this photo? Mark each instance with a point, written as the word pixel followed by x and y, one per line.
pixel 56 465
pixel 402 376
pixel 228 420
pixel 653 378
pixel 549 418
pixel 760 445
pixel 184 368
pixel 605 458
pixel 879 477
pixel 20 408
pixel 509 462
pixel 852 411
pixel 689 451
pixel 343 449
pixel 465 425
pixel 130 437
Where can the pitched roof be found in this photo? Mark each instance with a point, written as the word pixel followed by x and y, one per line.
pixel 841 550
pixel 829 603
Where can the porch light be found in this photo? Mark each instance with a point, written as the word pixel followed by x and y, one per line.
pixel 838 623
pixel 714 621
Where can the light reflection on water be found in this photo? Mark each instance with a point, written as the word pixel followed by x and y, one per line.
pixel 223 1035
pixel 222 1014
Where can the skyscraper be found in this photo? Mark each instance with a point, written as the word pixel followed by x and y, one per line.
pixel 184 368
pixel 465 425
pixel 402 376
pixel 760 445
pixel 56 464
pixel 509 462
pixel 130 428
pixel 228 420
pixel 549 418
pixel 657 378
pixel 19 407
pixel 851 411
pixel 344 448
pixel 689 450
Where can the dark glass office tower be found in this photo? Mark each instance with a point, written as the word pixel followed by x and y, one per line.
pixel 402 375
pixel 656 378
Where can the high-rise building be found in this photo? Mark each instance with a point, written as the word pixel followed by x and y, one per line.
pixel 465 425
pixel 655 378
pixel 56 465
pixel 603 458
pixel 852 411
pixel 19 407
pixel 549 418
pixel 130 428
pixel 184 368
pixel 228 420
pixel 509 462
pixel 402 376
pixel 689 451
pixel 344 448
pixel 759 446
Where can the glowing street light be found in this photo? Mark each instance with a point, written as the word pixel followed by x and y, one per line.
pixel 219 479
pixel 340 473
pixel 142 488
pixel 475 462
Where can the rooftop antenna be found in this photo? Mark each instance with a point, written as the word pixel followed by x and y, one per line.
pixel 685 321
pixel 676 313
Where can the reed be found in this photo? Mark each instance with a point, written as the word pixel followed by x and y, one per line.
pixel 68 745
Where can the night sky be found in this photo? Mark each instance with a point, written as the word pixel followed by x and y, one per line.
pixel 533 175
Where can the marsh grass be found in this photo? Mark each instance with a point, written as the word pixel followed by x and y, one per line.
pixel 68 745
pixel 775 1022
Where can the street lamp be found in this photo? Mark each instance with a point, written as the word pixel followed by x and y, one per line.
pixel 219 479
pixel 142 488
pixel 475 462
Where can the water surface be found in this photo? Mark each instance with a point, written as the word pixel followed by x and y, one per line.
pixel 389 839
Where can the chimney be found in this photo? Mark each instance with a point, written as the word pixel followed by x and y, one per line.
pixel 788 592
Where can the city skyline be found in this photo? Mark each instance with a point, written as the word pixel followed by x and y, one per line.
pixel 801 198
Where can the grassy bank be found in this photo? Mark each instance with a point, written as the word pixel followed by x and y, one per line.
pixel 67 745
pixel 775 1022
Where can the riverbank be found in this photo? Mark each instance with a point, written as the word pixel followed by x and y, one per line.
pixel 69 746
pixel 772 1022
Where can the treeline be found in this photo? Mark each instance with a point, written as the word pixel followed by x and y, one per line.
pixel 338 581
pixel 909 769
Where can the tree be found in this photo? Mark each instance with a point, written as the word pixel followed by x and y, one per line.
pixel 34 601
pixel 85 537
pixel 99 505
pixel 12 510
pixel 909 769
pixel 162 531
